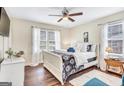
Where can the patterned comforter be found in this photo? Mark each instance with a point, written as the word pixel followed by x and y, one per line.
pixel 69 64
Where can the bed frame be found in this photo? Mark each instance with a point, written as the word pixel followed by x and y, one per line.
pixel 53 63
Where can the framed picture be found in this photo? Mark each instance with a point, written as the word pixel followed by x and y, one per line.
pixel 85 36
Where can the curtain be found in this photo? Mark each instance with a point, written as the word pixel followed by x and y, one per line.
pixel 4 45
pixel 1 48
pixel 57 40
pixel 103 45
pixel 35 46
pixel 36 51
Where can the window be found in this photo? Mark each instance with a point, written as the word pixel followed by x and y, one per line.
pixel 43 39
pixel 51 41
pixel 115 37
pixel 48 40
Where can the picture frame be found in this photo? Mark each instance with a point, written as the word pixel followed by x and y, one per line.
pixel 86 36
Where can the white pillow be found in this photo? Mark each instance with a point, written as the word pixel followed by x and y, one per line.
pixel 83 48
pixel 78 47
pixel 88 47
pixel 93 49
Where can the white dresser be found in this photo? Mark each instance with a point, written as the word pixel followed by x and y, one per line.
pixel 12 70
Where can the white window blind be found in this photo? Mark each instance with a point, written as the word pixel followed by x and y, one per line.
pixel 115 37
pixel 43 39
pixel 49 40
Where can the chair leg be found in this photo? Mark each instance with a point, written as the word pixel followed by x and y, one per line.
pixel 107 67
pixel 122 69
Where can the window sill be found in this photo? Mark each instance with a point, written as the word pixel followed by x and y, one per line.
pixel 114 55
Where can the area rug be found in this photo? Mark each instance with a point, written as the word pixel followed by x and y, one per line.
pixel 95 82
pixel 101 76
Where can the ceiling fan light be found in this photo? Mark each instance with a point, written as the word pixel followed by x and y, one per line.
pixel 65 18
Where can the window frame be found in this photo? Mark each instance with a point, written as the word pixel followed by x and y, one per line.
pixel 48 45
pixel 113 24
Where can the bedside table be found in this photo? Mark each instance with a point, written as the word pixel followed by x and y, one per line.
pixel 116 64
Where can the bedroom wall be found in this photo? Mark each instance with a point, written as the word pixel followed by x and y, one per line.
pixel 21 33
pixel 76 33
pixel 5 43
pixel 22 36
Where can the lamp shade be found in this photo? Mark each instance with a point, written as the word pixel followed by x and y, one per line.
pixel 108 49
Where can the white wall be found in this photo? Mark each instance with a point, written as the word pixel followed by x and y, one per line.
pixel 22 35
pixel 5 43
pixel 76 33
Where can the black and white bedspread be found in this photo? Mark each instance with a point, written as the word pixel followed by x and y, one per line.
pixel 70 65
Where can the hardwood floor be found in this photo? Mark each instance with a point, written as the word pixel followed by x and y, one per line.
pixel 39 76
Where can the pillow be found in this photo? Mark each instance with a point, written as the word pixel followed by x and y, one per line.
pixel 71 49
pixel 88 48
pixel 93 48
pixel 78 47
pixel 83 48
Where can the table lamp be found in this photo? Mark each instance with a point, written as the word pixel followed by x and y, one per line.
pixel 108 50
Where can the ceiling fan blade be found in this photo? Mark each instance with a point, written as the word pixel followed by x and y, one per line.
pixel 60 20
pixel 76 14
pixel 55 15
pixel 72 20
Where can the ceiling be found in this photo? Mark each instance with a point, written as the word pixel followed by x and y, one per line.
pixel 40 14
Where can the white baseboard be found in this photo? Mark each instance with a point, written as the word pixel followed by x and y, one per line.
pixel 32 64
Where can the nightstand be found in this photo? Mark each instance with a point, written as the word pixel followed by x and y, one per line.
pixel 113 63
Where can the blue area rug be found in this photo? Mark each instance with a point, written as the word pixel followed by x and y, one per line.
pixel 95 82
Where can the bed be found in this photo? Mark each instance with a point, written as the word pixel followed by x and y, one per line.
pixel 62 64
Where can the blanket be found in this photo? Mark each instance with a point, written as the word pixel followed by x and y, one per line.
pixel 71 63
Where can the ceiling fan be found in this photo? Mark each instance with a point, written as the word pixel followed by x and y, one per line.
pixel 66 16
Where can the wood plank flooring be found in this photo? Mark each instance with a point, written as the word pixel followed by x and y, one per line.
pixel 39 76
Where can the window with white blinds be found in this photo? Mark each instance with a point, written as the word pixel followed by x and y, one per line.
pixel 115 37
pixel 49 40
pixel 43 39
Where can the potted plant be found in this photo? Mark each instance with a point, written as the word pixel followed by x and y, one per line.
pixel 9 52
